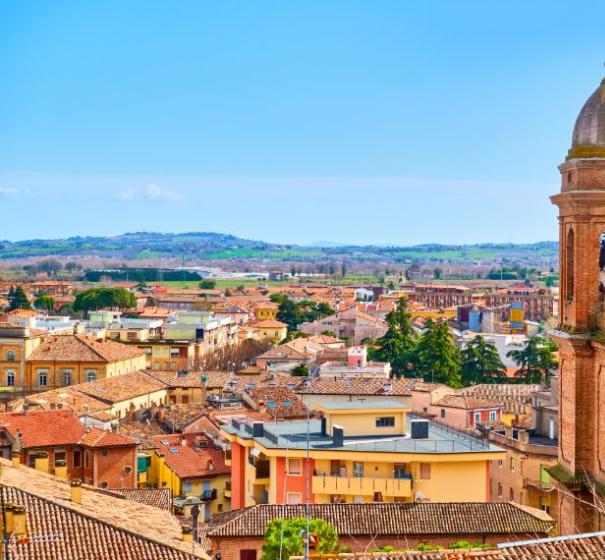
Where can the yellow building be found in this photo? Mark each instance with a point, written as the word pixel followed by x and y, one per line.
pixel 358 453
pixel 16 345
pixel 194 470
pixel 266 311
pixel 65 360
pixel 270 329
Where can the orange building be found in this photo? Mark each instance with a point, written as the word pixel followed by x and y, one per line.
pixel 56 442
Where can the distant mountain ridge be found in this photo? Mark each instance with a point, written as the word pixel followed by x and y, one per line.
pixel 220 246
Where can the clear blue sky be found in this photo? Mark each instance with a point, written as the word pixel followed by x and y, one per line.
pixel 296 121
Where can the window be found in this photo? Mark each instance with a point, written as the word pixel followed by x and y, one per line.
pixel 425 471
pixel 10 378
pixel 500 463
pixel 187 486
pixel 493 415
pixel 91 375
pixel 66 377
pixel 10 356
pixel 294 498
pixel 477 417
pixel 295 467
pixel 358 470
pixel 443 413
pixel 399 472
pixel 385 421
pixel 512 464
pixel 77 458
pixel 105 452
pixel 86 458
pixel 511 495
pixel 42 378
pixel 60 457
pixel 499 489
pixel 569 264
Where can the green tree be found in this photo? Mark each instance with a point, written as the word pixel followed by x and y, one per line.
pixel 481 362
pixel 537 361
pixel 17 299
pixel 437 356
pixel 300 370
pixel 398 344
pixel 47 303
pixel 286 537
pixel 207 284
pixel 101 298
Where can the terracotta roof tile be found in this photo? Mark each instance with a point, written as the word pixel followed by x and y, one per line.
pixel 121 387
pixel 466 403
pixel 394 519
pixel 160 498
pixel 101 527
pixel 80 348
pixel 189 461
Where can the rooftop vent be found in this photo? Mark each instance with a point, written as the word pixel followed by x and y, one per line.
pixel 420 429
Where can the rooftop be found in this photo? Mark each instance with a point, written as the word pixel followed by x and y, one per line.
pixel 393 519
pixel 293 435
pixel 101 526
pixel 79 348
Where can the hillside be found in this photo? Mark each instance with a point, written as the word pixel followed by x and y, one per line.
pixel 210 246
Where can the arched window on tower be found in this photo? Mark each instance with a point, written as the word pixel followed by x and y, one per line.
pixel 602 267
pixel 569 264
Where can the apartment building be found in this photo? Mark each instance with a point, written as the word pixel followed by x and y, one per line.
pixel 357 454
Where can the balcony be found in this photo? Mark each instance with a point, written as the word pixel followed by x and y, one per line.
pixel 228 489
pixel 362 486
pixel 537 484
pixel 263 470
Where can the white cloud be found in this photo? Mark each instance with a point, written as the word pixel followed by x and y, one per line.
pixel 8 191
pixel 150 192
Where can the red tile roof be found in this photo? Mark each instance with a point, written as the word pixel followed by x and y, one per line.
pixel 80 348
pixel 57 427
pixel 44 428
pixel 189 461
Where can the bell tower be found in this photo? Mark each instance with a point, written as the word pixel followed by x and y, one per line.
pixel 581 333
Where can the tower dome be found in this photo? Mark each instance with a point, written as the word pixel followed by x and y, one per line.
pixel 589 132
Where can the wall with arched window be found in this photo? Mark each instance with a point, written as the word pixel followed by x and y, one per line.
pixel 570 247
pixel 10 378
pixel 10 356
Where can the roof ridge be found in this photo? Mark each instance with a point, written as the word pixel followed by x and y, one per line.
pixel 84 340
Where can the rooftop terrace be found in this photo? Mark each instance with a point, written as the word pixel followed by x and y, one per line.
pixel 293 435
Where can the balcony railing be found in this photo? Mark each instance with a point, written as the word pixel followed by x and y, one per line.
pixel 538 484
pixel 362 486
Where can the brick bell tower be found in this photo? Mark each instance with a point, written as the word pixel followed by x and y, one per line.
pixel 580 474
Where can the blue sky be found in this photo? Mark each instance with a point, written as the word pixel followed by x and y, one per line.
pixel 360 122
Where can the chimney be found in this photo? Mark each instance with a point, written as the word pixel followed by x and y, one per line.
pixel 75 491
pixel 41 462
pixel 187 533
pixel 61 469
pixel 19 521
pixel 523 436
pixel 16 459
pixel 324 426
pixel 9 509
pixel 258 429
pixel 338 435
